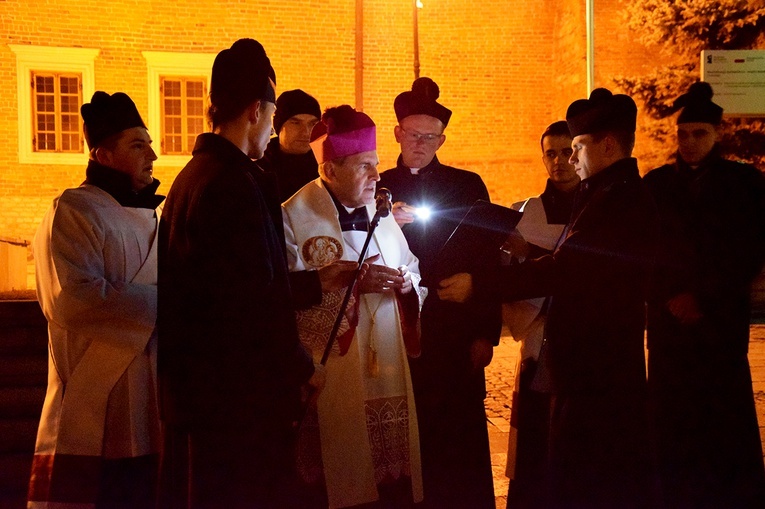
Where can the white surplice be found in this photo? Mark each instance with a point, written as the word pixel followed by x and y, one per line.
pixel 96 265
pixel 524 318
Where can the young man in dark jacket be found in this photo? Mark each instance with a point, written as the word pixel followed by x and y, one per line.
pixel 230 363
pixel 592 359
pixel 713 243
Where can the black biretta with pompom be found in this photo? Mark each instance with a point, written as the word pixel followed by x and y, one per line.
pixel 106 115
pixel 697 105
pixel 602 112
pixel 241 75
pixel 421 100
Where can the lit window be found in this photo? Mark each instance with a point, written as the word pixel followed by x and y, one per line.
pixel 56 112
pixel 183 113
pixel 51 85
pixel 178 85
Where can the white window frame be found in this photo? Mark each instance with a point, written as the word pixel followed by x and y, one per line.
pixel 52 59
pixel 168 64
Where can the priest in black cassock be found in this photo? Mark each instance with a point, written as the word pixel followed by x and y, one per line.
pixel 457 339
pixel 713 243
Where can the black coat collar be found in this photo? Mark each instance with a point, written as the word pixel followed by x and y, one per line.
pixel 119 186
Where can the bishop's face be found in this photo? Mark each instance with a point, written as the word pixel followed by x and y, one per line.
pixel 353 179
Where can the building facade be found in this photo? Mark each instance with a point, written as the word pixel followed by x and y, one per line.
pixel 507 68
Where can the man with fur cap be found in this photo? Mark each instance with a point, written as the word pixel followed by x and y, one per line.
pixel 592 358
pixel 713 245
pixel 360 444
pixel 289 155
pixel 457 339
pixel 96 259
pixel 231 366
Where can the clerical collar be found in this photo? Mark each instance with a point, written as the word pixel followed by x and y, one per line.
pixel 433 164
pixel 353 220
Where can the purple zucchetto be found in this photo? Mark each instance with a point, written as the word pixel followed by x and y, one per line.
pixel 342 131
pixel 106 115
pixel 697 105
pixel 602 112
pixel 421 100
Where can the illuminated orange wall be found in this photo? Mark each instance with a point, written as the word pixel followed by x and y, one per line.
pixel 507 68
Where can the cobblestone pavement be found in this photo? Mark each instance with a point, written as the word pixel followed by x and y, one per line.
pixel 500 379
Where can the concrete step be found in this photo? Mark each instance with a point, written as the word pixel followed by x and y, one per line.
pixel 18 435
pixel 23 329
pixel 14 480
pixel 22 339
pixel 21 402
pixel 23 371
pixel 21 313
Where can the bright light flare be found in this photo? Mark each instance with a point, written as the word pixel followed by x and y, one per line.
pixel 423 213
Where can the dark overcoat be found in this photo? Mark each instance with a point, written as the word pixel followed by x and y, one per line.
pixel 229 353
pixel 592 359
pixel 449 392
pixel 292 171
pixel 713 240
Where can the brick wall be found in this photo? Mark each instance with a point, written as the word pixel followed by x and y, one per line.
pixel 492 60
pixel 617 55
pixel 569 78
pixel 507 68
pixel 311 44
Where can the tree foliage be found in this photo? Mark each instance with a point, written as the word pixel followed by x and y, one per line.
pixel 659 89
pixel 694 25
pixel 680 29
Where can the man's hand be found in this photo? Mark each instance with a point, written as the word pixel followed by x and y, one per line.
pixel 315 384
pixel 408 284
pixel 516 246
pixel 381 279
pixel 337 275
pixel 403 213
pixel 456 288
pixel 481 352
pixel 685 308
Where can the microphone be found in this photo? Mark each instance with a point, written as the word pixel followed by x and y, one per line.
pixel 383 202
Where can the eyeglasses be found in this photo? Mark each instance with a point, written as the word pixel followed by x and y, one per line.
pixel 415 137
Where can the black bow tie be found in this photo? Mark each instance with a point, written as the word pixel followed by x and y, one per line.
pixel 357 220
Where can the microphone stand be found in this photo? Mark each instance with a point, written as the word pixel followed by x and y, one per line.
pixel 362 256
pixel 382 211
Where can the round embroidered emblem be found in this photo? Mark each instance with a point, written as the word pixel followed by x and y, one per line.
pixel 321 250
